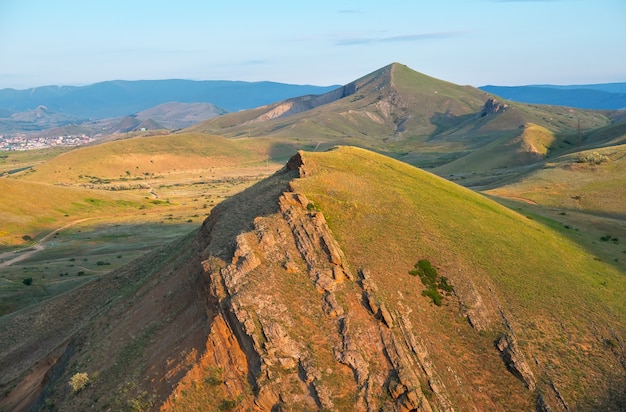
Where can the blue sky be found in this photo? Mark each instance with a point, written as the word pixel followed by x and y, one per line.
pixel 475 42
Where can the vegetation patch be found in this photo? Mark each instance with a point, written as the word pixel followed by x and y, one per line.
pixel 434 283
pixel 79 381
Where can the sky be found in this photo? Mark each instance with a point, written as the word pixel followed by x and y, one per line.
pixel 468 42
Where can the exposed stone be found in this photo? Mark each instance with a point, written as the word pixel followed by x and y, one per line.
pixel 386 316
pixel 493 106
pixel 396 389
pixel 291 267
pixel 514 360
pixel 331 307
pixel 349 354
pixel 371 301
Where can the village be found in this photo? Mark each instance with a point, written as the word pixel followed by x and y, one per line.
pixel 15 142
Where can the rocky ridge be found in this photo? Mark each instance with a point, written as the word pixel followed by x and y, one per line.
pixel 265 311
pixel 357 353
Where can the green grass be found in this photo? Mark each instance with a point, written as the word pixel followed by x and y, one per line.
pixel 423 213
pixel 387 214
pixel 79 254
pixel 30 208
pixel 143 158
pixel 568 184
pixel 16 160
pixel 187 175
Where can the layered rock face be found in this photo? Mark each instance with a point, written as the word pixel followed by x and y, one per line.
pixel 299 329
pixel 310 328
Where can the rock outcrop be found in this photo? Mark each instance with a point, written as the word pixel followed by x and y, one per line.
pixel 493 106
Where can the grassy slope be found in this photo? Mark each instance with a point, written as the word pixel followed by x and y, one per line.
pixel 152 155
pixel 557 292
pixel 10 162
pixel 571 183
pixel 173 183
pixel 27 207
pixel 524 146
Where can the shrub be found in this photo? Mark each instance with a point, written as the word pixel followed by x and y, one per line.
pixel 434 295
pixel 431 280
pixel 79 381
pixel 27 281
pixel 444 285
pixel 593 158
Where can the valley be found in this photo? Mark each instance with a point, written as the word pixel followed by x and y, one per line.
pixel 268 258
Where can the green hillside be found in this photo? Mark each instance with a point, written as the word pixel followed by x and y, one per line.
pixel 347 280
pixel 566 307
pixel 32 208
pixel 411 116
pixel 132 160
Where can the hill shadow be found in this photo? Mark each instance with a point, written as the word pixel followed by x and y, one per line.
pixel 237 213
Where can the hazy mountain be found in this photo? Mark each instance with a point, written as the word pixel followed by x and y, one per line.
pixel 121 98
pixel 36 119
pixel 176 115
pixel 610 96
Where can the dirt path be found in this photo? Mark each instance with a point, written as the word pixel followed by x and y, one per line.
pixel 25 253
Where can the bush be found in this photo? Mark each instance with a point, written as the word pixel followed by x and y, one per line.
pixel 79 381
pixel 432 281
pixel 434 295
pixel 27 281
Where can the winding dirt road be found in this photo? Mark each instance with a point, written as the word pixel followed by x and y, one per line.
pixel 25 253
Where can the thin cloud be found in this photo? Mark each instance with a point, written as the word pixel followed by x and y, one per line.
pixel 351 11
pixel 396 39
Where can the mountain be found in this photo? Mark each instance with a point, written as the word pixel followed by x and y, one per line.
pixel 345 281
pixel 417 118
pixel 36 119
pixel 610 96
pixel 175 115
pixel 120 98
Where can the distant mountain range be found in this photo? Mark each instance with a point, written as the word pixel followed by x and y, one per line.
pixel 120 98
pixel 173 104
pixel 608 96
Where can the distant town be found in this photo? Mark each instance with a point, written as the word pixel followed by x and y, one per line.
pixel 15 142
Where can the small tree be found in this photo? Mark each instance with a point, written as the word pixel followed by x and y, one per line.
pixel 27 281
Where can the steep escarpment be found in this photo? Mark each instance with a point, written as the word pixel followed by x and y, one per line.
pixel 297 311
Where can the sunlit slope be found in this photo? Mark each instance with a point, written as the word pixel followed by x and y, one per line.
pixel 409 115
pixel 28 208
pixel 591 181
pixel 136 159
pixel 530 143
pixel 393 100
pixel 565 307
